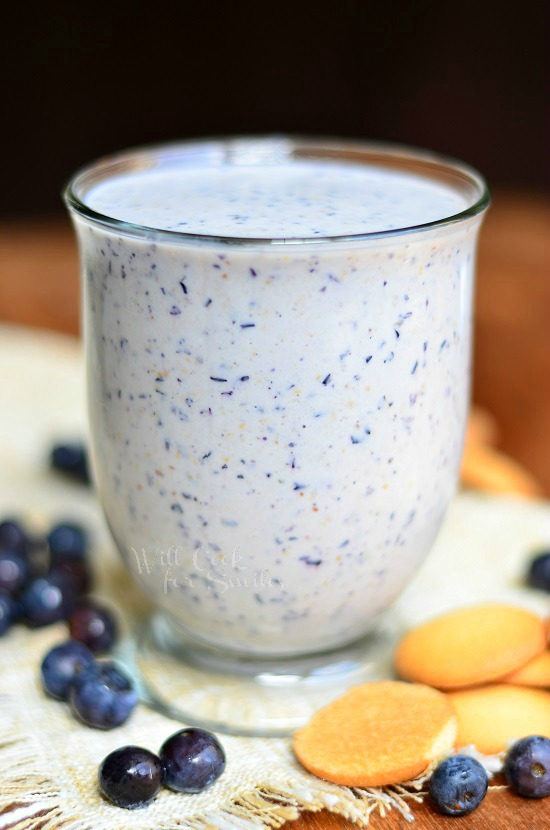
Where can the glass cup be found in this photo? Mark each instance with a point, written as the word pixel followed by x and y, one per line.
pixel 276 428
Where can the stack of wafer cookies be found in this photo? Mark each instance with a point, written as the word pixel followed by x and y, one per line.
pixel 493 663
pixel 478 676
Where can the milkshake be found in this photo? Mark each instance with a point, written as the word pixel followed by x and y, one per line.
pixel 278 343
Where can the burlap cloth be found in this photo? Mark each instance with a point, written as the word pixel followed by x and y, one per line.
pixel 48 762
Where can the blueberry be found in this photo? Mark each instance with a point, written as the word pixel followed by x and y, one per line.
pixel 14 571
pixel 527 767
pixel 192 759
pixel 8 611
pixel 458 785
pixel 76 571
pixel 94 625
pixel 130 777
pixel 539 571
pixel 71 459
pixel 67 540
pixel 61 665
pixel 102 696
pixel 13 537
pixel 47 599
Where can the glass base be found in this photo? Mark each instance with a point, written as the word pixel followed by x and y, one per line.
pixel 236 694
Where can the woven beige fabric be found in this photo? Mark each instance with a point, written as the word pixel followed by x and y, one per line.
pixel 48 762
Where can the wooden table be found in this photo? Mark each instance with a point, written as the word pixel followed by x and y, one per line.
pixel 39 287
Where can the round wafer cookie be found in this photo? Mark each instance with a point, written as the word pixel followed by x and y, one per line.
pixel 490 717
pixel 377 734
pixel 470 646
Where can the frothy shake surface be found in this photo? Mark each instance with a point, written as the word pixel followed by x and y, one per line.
pixel 293 199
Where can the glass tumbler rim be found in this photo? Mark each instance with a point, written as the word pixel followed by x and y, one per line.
pixel 239 150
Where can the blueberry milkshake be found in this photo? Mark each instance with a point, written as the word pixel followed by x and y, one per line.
pixel 278 343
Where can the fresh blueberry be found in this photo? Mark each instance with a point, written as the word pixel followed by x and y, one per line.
pixel 539 571
pixel 47 599
pixel 192 759
pixel 458 785
pixel 71 459
pixel 102 696
pixel 61 665
pixel 94 625
pixel 14 571
pixel 75 570
pixel 67 540
pixel 13 537
pixel 130 777
pixel 527 767
pixel 8 611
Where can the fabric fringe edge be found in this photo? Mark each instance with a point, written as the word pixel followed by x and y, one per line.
pixel 35 805
pixel 32 801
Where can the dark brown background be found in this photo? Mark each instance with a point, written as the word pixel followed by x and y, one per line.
pixel 84 79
